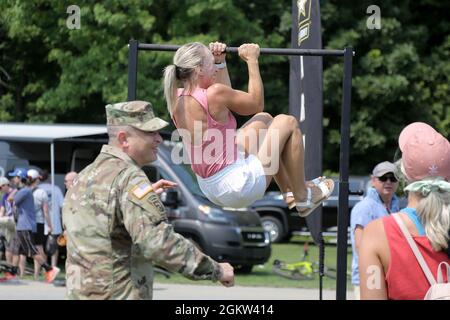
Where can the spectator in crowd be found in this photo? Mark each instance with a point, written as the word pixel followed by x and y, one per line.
pixel 26 220
pixel 55 202
pixel 68 182
pixel 69 179
pixel 6 212
pixel 2 242
pixel 4 189
pixel 388 266
pixel 41 211
pixel 379 201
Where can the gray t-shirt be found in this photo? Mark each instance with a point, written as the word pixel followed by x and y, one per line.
pixel 55 213
pixel 40 197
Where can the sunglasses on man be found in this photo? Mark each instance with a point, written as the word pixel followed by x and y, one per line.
pixel 386 178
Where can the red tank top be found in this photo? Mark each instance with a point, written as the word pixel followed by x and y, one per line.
pixel 218 148
pixel 405 279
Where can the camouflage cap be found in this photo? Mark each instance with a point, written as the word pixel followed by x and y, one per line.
pixel 138 114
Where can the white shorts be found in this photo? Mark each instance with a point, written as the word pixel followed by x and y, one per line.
pixel 237 185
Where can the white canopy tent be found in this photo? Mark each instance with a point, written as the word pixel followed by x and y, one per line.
pixel 48 133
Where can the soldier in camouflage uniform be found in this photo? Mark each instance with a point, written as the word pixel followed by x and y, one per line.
pixel 117 226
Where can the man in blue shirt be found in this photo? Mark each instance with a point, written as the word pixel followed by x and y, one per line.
pixel 26 221
pixel 379 201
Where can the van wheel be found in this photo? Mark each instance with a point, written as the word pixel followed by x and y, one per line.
pixel 274 227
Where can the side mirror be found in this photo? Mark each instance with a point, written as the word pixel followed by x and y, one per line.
pixel 170 198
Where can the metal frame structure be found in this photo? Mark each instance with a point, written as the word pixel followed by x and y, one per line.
pixel 347 53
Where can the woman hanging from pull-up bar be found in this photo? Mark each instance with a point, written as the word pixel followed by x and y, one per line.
pixel 234 168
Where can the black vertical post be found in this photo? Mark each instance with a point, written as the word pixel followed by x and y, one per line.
pixel 132 69
pixel 321 264
pixel 343 216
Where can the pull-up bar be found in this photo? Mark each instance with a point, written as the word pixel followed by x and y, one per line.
pixel 343 214
pixel 271 51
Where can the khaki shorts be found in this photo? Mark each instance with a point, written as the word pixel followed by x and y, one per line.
pixel 7 228
pixel 13 245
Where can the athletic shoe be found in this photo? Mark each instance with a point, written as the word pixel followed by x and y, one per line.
pixel 10 276
pixel 51 274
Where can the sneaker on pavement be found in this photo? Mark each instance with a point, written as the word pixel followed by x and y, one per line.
pixel 51 274
pixel 10 276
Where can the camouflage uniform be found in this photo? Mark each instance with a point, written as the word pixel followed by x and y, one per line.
pixel 117 226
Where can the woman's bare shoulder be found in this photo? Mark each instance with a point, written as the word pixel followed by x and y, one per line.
pixel 374 227
pixel 219 100
pixel 218 89
pixel 374 230
pixel 186 110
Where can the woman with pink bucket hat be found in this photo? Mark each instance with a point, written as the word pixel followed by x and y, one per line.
pixel 403 254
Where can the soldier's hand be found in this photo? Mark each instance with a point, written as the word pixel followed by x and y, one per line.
pixel 162 184
pixel 227 275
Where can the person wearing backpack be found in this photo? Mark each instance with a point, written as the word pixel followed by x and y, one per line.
pixel 406 255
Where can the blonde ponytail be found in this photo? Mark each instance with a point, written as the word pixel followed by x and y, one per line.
pixel 186 61
pixel 170 86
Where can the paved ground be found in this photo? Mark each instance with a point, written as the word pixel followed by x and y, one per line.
pixel 31 290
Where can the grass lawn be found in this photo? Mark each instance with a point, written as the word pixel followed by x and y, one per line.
pixel 262 275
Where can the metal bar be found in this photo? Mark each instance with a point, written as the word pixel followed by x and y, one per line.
pixel 132 69
pixel 272 51
pixel 343 214
pixel 84 140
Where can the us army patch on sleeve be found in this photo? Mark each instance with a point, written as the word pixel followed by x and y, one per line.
pixel 141 190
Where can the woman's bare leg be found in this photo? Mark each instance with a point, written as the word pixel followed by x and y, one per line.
pixel 283 143
pixel 281 152
pixel 248 132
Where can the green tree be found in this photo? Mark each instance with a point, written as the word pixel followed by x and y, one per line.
pixel 49 73
pixel 64 75
pixel 400 75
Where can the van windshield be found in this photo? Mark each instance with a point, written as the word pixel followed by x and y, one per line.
pixel 185 173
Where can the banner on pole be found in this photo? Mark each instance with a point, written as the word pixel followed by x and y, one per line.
pixel 305 93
